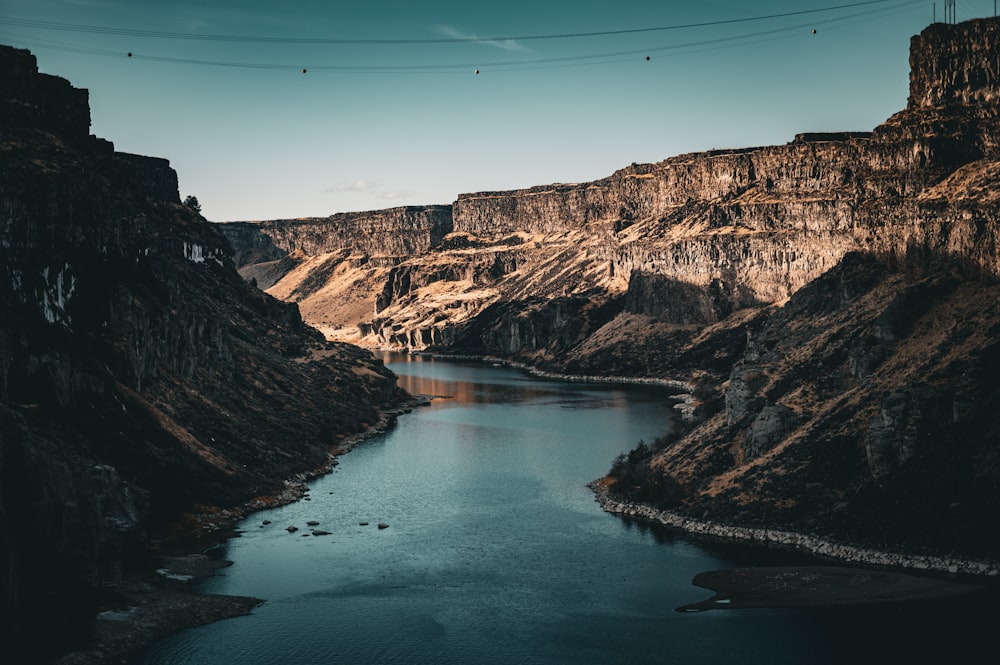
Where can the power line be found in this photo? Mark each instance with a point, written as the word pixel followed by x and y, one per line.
pixel 496 66
pixel 540 63
pixel 690 48
pixel 154 34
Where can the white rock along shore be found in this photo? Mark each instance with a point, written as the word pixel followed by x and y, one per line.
pixel 797 541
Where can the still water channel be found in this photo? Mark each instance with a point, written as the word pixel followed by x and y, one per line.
pixel 497 553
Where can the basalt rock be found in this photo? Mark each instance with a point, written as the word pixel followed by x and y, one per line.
pixel 684 243
pixel 394 232
pixel 140 376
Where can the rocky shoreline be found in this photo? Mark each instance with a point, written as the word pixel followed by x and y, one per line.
pixel 573 378
pixel 296 488
pixel 794 541
pixel 144 611
pixel 150 607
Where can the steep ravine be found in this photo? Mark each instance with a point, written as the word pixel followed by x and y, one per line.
pixel 140 376
pixel 831 300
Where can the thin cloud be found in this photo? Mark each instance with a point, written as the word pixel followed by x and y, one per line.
pixel 370 188
pixel 394 196
pixel 356 186
pixel 505 44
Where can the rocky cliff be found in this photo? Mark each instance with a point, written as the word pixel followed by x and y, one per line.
pixel 831 299
pixel 399 232
pixel 140 376
pixel 862 410
pixel 730 229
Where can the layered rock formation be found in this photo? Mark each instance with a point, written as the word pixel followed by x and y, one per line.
pixel 717 232
pixel 140 376
pixel 830 299
pixel 396 232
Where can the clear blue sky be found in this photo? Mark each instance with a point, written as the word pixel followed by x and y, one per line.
pixel 375 125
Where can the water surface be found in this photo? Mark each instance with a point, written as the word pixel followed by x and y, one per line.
pixel 497 553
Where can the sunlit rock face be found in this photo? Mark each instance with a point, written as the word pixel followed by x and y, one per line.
pixel 139 374
pixel 686 241
pixel 396 232
pixel 955 66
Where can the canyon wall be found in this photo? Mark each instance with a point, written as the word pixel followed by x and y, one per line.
pixel 729 229
pixel 831 302
pixel 401 231
pixel 140 376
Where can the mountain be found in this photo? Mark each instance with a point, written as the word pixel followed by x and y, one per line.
pixel 140 377
pixel 831 301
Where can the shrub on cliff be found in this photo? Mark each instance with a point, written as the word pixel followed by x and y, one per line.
pixel 636 480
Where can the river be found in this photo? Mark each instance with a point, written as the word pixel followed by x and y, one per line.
pixel 495 552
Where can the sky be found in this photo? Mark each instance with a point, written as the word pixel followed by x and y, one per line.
pixel 273 110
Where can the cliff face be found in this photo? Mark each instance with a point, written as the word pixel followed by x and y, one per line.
pixel 396 232
pixel 954 66
pixel 833 300
pixel 730 229
pixel 139 374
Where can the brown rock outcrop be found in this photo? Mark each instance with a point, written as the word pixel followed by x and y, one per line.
pixel 391 232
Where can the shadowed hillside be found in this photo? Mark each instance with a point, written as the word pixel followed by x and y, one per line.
pixel 140 376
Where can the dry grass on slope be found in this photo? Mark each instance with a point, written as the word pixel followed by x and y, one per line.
pixel 892 391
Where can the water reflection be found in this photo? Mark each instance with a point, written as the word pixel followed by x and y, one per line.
pixel 475 382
